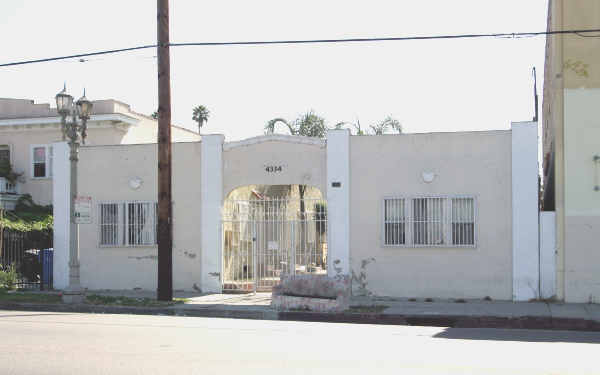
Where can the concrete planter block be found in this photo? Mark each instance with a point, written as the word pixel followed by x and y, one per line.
pixel 312 292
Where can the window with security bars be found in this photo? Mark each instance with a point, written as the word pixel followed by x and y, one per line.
pixel 463 221
pixel 429 221
pixel 128 224
pixel 395 222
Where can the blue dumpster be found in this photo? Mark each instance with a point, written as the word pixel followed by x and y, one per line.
pixel 46 259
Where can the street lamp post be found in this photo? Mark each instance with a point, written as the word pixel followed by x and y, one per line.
pixel 75 133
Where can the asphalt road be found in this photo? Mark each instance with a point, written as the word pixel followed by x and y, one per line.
pixel 61 343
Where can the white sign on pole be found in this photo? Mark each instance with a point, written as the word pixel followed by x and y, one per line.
pixel 83 210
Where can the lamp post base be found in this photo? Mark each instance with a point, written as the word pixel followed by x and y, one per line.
pixel 73 297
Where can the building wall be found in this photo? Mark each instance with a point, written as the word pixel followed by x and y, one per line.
pixel 136 267
pixel 246 163
pixel 572 79
pixel 582 202
pixel 473 163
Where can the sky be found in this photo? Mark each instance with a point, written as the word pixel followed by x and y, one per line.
pixel 442 85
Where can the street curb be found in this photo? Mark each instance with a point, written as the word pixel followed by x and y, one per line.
pixel 453 321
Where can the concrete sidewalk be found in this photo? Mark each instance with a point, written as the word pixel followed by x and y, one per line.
pixel 471 313
pixel 388 307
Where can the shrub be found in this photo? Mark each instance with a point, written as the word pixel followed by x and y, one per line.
pixel 8 277
pixel 7 171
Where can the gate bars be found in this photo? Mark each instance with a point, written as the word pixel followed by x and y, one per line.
pixel 265 238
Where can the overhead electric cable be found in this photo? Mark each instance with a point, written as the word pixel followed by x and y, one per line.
pixel 314 41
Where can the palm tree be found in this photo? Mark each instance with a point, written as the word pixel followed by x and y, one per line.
pixel 200 115
pixel 391 123
pixel 307 125
pixel 379 128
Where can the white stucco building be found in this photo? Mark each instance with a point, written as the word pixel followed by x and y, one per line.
pixel 441 215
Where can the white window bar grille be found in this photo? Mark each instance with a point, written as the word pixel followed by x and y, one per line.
pixel 128 224
pixel 429 222
pixel 110 214
pixel 395 222
pixel 463 221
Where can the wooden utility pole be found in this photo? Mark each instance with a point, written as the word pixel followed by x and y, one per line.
pixel 165 233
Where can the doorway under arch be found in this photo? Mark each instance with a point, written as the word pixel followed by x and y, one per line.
pixel 269 231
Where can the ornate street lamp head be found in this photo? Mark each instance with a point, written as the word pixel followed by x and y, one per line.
pixel 84 107
pixel 64 102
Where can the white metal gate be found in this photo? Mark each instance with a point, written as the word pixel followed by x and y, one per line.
pixel 265 238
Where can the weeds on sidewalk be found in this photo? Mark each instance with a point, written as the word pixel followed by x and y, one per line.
pixel 96 299
pixel 367 309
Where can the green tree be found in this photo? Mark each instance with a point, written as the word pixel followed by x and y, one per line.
pixel 200 115
pixel 154 115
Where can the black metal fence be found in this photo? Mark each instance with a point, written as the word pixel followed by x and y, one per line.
pixel 31 255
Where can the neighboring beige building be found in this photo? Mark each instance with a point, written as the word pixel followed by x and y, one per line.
pixel 27 131
pixel 571 142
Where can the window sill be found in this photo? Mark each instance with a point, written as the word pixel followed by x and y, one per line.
pixel 128 246
pixel 432 247
pixel 40 178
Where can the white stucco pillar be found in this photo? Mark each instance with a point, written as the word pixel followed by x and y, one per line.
pixel 525 215
pixel 211 200
pixel 338 202
pixel 61 195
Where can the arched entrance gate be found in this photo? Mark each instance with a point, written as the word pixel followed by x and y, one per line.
pixel 249 240
pixel 274 217
pixel 266 237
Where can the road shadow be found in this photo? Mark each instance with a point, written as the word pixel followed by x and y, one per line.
pixel 505 334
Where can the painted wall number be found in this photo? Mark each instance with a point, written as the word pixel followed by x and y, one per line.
pixel 274 168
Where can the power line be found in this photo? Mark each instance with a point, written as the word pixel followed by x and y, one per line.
pixel 587 36
pixel 315 41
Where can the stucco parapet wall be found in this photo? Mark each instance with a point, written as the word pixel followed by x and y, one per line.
pixel 275 138
pixel 27 108
pixel 426 134
pixel 118 117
